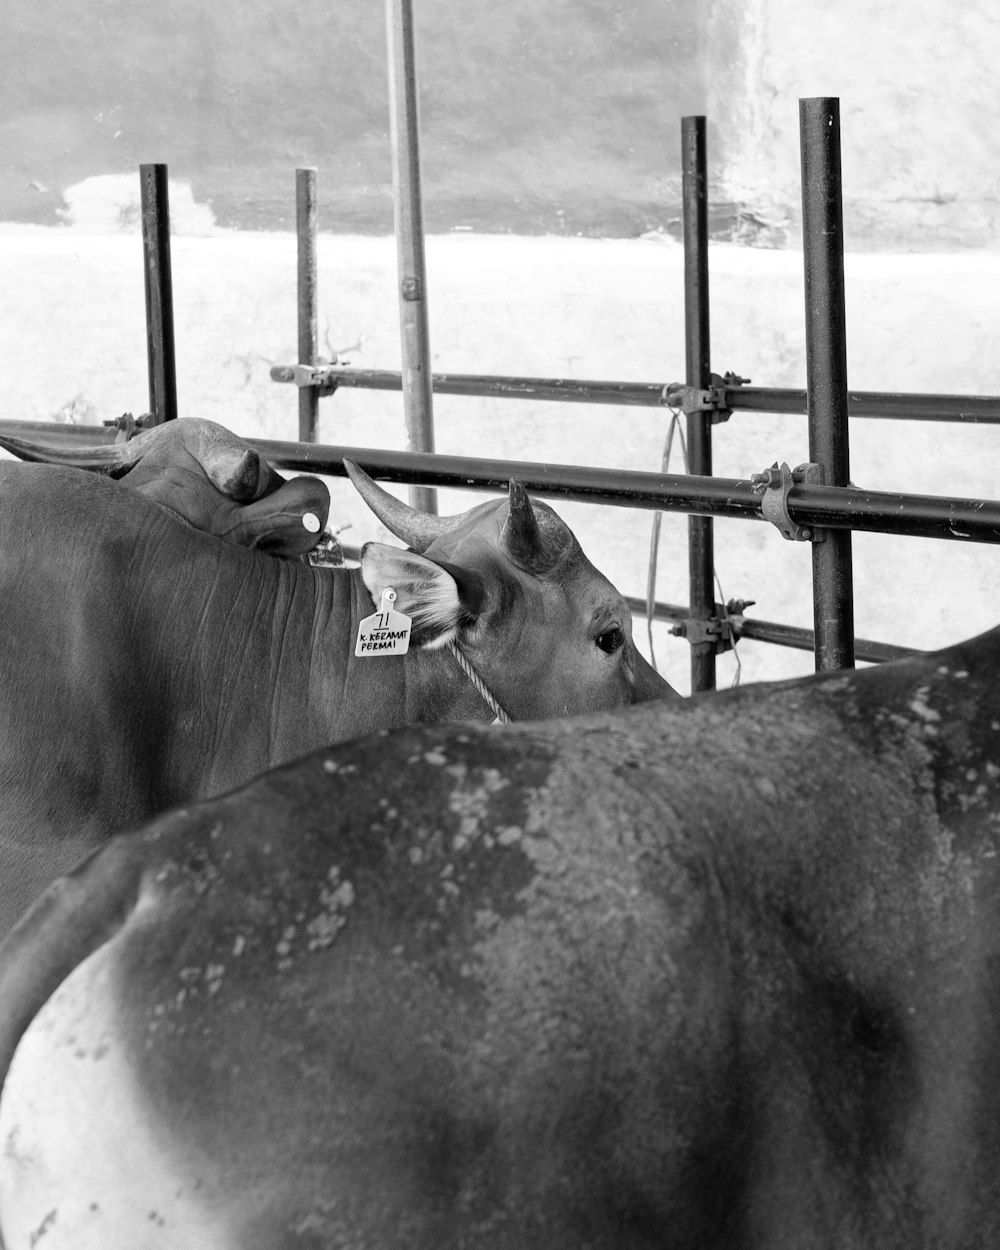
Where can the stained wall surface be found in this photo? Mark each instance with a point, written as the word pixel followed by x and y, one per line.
pixel 538 116
pixel 918 95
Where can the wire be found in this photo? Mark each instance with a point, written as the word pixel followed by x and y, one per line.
pixel 738 675
pixel 654 537
pixel 654 550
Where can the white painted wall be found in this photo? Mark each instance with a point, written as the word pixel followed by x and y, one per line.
pixel 917 83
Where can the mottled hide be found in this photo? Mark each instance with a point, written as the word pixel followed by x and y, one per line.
pixel 722 973
pixel 144 663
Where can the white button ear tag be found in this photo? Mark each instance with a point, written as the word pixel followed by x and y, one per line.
pixel 385 632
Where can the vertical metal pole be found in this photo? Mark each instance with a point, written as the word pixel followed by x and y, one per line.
pixel 405 133
pixel 701 552
pixel 826 369
pixel 160 355
pixel 305 232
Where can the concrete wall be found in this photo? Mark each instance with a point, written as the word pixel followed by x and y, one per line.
pixel 917 82
pixel 557 117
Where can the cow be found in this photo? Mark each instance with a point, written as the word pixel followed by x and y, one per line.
pixel 209 477
pixel 722 972
pixel 145 663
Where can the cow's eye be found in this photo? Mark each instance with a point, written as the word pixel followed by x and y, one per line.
pixel 611 640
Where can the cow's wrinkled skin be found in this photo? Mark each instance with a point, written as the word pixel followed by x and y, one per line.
pixel 145 664
pixel 717 973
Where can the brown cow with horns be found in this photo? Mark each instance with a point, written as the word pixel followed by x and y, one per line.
pixel 146 663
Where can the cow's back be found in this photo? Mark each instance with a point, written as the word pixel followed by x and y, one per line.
pixel 137 653
pixel 69 548
pixel 721 975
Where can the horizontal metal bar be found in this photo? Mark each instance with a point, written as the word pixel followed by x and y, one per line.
pixel 925 516
pixel 774 632
pixel 51 434
pixel 898 406
pixel 805 640
pixel 836 507
pixel 567 390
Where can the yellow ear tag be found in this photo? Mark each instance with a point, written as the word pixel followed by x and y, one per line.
pixel 385 632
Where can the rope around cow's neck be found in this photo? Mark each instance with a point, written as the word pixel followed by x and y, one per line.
pixel 501 717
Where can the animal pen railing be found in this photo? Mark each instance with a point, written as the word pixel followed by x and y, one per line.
pixel 813 503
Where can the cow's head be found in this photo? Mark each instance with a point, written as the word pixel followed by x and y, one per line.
pixel 508 583
pixel 210 478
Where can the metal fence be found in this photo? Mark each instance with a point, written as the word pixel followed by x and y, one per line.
pixel 811 503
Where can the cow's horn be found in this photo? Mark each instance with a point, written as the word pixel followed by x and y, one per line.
pixel 537 541
pixel 520 535
pixel 415 528
pixel 111 458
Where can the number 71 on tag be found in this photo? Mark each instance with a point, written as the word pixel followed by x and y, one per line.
pixel 385 632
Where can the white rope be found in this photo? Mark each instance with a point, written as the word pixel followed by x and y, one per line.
pixel 501 716
pixel 654 545
pixel 654 537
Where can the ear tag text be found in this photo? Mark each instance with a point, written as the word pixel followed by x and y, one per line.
pixel 385 632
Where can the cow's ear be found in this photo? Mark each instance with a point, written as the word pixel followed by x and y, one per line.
pixel 438 597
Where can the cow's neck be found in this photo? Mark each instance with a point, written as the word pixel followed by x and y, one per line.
pixel 270 671
pixel 422 687
pixel 500 716
pixel 437 689
pixel 324 693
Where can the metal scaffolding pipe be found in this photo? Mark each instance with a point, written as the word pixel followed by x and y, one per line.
pixel 160 353
pixel 885 512
pixel 888 405
pixel 306 227
pixel 408 209
pixel 826 369
pixel 805 640
pixel 565 390
pixel 791 636
pixel 701 549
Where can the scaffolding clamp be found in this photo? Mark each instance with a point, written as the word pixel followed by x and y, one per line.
pixel 775 485
pixel 715 631
pixel 127 426
pixel 324 377
pixel 713 399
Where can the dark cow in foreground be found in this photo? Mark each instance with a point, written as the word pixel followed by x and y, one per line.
pixel 144 664
pixel 207 476
pixel 719 973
